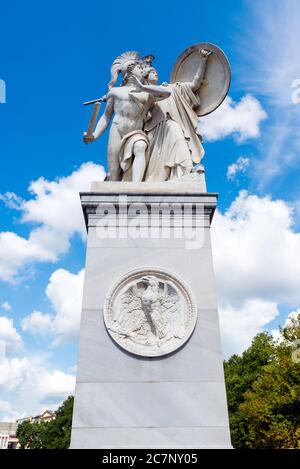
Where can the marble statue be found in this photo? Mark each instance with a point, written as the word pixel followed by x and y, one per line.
pixel 154 134
pixel 130 103
pixel 172 129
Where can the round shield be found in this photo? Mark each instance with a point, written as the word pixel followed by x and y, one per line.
pixel 216 80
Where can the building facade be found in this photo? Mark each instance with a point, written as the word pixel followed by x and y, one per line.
pixel 8 439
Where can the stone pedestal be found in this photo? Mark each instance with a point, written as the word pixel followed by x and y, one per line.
pixel 123 400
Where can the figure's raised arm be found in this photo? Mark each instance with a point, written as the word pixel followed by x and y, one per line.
pixel 103 122
pixel 198 78
pixel 158 92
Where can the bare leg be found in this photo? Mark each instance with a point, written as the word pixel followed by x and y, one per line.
pixel 139 161
pixel 114 143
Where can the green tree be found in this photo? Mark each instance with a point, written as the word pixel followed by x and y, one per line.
pixel 31 435
pixel 240 373
pixel 263 389
pixel 58 433
pixel 48 435
pixel 25 434
pixel 272 404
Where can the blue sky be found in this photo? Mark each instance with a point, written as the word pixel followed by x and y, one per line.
pixel 54 56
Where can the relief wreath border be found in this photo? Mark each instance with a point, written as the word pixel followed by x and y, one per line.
pixel 166 275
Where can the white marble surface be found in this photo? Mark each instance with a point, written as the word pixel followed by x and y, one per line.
pixel 95 344
pixel 127 401
pixel 145 437
pixel 194 266
pixel 150 404
pixel 193 183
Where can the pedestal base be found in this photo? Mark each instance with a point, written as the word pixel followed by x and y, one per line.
pixel 127 401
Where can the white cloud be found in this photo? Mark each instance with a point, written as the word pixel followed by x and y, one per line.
pixel 240 166
pixel 31 386
pixel 9 336
pixel 37 323
pixel 241 119
pixel 17 252
pixel 9 414
pixel 56 204
pixel 240 324
pixel 11 200
pixel 55 385
pixel 64 291
pixel 55 207
pixel 13 371
pixel 6 306
pixel 45 388
pixel 28 384
pixel 256 251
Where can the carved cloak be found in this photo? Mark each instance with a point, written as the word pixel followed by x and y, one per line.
pixel 175 142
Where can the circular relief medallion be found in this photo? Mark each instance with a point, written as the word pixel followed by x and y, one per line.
pixel 150 312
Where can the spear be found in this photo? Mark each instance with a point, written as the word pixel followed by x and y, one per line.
pixel 99 100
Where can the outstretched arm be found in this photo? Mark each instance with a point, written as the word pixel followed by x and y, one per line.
pixel 198 78
pixel 103 122
pixel 158 92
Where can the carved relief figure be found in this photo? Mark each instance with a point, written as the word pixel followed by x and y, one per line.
pixel 150 313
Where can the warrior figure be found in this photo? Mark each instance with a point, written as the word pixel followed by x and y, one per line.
pixel 128 145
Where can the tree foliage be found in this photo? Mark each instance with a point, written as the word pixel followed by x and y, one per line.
pixel 48 435
pixel 263 391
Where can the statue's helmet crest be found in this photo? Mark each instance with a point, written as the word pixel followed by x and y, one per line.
pixel 121 64
pixel 125 62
